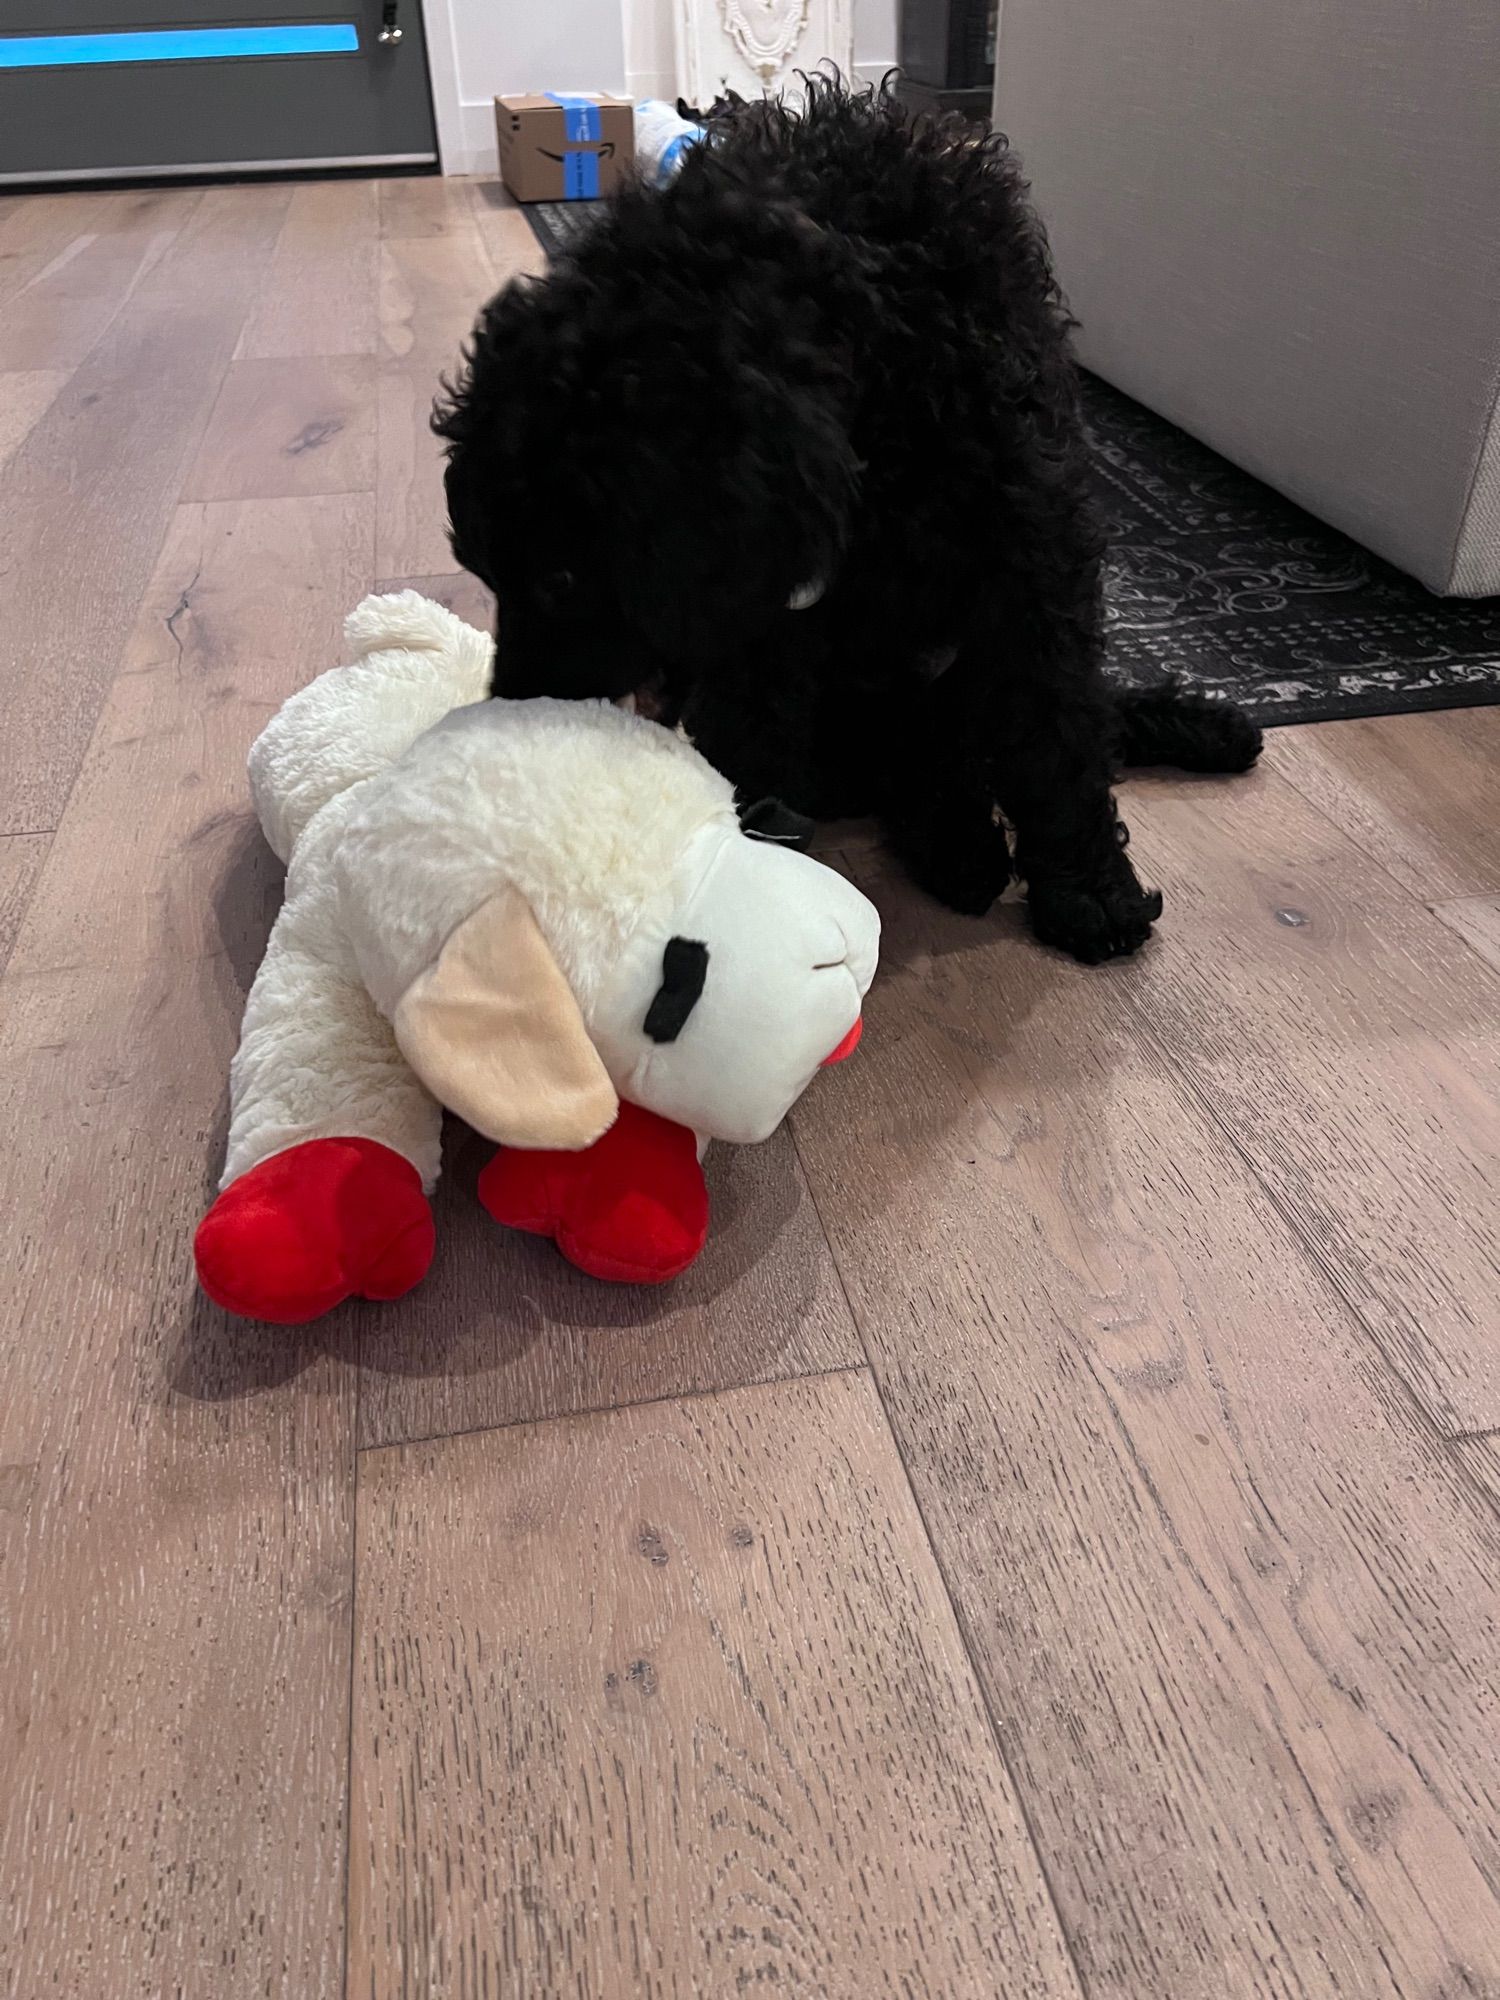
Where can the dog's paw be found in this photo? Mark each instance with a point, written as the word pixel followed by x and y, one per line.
pixel 1105 920
pixel 967 871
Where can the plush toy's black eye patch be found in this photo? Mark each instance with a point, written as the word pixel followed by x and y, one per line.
pixel 684 966
pixel 769 819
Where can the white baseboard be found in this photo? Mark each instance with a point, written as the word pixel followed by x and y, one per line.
pixel 468 141
pixel 473 149
pixel 643 83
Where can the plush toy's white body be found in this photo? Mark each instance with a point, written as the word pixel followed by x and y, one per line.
pixel 479 897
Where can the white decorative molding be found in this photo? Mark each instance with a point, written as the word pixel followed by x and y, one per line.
pixel 765 34
pixel 757 46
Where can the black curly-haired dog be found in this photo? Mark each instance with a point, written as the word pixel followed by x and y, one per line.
pixel 792 449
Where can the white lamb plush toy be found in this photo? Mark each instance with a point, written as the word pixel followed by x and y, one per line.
pixel 543 915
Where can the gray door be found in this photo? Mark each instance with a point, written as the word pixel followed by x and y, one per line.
pixel 114 87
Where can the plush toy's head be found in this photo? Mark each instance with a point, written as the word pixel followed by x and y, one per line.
pixel 555 905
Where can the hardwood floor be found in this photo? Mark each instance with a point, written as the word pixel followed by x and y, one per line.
pixel 1050 1546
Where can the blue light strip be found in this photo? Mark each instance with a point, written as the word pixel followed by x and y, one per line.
pixel 313 38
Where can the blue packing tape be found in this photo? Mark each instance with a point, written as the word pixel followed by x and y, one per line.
pixel 580 117
pixel 580 176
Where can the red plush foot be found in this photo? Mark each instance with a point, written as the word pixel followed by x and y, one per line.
pixel 325 1221
pixel 632 1208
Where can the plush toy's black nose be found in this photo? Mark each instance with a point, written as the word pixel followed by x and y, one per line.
pixel 684 967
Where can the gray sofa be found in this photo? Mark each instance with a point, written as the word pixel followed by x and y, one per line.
pixel 1279 224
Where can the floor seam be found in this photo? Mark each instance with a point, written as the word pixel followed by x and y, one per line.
pixel 955 1607
pixel 1189 1087
pixel 1285 773
pixel 353 1659
pixel 609 1409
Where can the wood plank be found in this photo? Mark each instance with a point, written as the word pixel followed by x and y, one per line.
pixel 509 239
pixel 670 1701
pixel 21 858
pixel 504 1330
pixel 461 593
pixel 24 398
pixel 175 1499
pixel 89 494
pixel 411 533
pixel 1350 1044
pixel 423 205
pixel 432 289
pixel 1416 792
pixel 1477 921
pixel 1480 1458
pixel 1235 1609
pixel 37 228
pixel 320 291
pixel 55 319
pixel 305 425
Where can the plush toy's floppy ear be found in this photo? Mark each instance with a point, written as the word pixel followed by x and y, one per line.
pixel 494 1032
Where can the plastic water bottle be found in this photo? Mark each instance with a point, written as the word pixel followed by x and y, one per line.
pixel 662 137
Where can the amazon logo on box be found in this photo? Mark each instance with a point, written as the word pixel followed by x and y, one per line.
pixel 565 145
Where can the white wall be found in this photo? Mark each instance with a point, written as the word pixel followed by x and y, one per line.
pixel 877 32
pixel 650 52
pixel 484 49
pixel 481 49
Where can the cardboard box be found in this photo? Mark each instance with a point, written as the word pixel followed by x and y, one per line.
pixel 570 145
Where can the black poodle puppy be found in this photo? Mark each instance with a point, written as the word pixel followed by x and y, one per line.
pixel 791 451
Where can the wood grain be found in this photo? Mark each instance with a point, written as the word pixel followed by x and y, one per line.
pixel 509 239
pixel 21 858
pixel 88 496
pixel 55 319
pixel 23 399
pixel 411 531
pixel 36 230
pixel 1235 1609
pixel 423 205
pixel 670 1702
pixel 1416 792
pixel 320 293
pixel 433 282
pixel 503 1329
pixel 1477 921
pixel 1480 1458
pixel 1350 1044
pixel 176 1520
pixel 463 594
pixel 305 425
pixel 432 288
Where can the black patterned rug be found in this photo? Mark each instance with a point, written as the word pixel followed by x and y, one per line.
pixel 1215 576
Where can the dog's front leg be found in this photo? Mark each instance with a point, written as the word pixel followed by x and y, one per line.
pixel 939 812
pixel 1054 769
pixel 1021 724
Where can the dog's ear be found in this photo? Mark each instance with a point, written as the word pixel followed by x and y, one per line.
pixel 494 1032
pixel 792 303
pixel 521 365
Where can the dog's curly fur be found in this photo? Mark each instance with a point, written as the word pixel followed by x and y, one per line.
pixel 830 355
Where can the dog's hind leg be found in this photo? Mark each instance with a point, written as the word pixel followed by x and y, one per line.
pixel 1168 724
